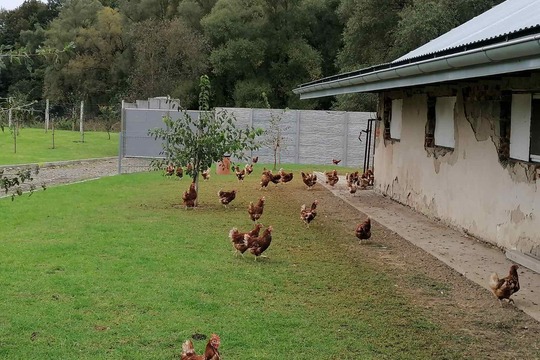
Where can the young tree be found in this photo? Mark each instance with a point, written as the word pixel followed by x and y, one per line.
pixel 109 116
pixel 274 133
pixel 203 141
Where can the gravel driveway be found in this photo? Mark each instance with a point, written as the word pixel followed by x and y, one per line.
pixel 66 172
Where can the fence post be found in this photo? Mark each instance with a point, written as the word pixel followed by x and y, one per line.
pixel 10 122
pixel 81 121
pixel 121 139
pixel 46 115
pixel 250 121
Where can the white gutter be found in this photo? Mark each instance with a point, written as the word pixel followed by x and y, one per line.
pixel 512 56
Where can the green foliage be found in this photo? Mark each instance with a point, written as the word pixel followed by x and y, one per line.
pixel 94 71
pixel 109 116
pixel 261 39
pixel 165 50
pixel 14 184
pixel 204 140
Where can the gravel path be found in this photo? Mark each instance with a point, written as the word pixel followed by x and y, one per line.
pixel 65 172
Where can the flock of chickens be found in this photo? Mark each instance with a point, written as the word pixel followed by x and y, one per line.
pixel 256 243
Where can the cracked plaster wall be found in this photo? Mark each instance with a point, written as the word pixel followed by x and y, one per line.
pixel 467 188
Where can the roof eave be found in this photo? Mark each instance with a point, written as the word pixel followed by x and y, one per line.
pixel 512 56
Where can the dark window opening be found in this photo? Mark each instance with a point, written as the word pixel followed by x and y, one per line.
pixel 430 124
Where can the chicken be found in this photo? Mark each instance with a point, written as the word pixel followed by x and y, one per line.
pixel 169 171
pixel 211 352
pixel 505 287
pixel 206 174
pixel 353 177
pixel 258 245
pixel 265 180
pixel 308 215
pixel 335 161
pixel 248 168
pixel 332 177
pixel 179 172
pixel 268 177
pixel 370 176
pixel 363 230
pixel 190 196
pixel 285 177
pixel 363 182
pixel 256 210
pixel 351 184
pixel 255 159
pixel 310 179
pixel 238 240
pixel 240 174
pixel 225 197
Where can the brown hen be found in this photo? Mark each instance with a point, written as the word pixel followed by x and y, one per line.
pixel 308 215
pixel 256 210
pixel 505 287
pixel 190 196
pixel 225 197
pixel 258 245
pixel 238 240
pixel 363 230
pixel 310 179
pixel 210 353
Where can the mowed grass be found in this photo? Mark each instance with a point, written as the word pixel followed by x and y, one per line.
pixel 36 146
pixel 116 268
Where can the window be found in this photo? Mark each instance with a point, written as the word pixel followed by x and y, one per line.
pixel 525 127
pixel 396 119
pixel 444 121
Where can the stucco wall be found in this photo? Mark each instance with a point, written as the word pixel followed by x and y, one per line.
pixel 468 188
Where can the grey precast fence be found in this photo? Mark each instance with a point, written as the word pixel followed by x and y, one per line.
pixel 309 136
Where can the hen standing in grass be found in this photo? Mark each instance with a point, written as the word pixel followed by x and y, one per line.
pixel 190 196
pixel 240 174
pixel 255 211
pixel 225 197
pixel 238 240
pixel 285 177
pixel 258 245
pixel 211 352
pixel 310 179
pixel 363 230
pixel 505 287
pixel 206 174
pixel 308 215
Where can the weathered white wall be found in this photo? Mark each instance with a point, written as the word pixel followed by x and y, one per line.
pixel 468 187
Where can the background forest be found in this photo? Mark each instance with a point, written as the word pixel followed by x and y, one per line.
pixel 135 49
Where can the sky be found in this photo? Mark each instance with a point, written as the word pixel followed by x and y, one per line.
pixel 11 4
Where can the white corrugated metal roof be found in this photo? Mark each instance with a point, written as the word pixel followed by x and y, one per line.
pixel 505 18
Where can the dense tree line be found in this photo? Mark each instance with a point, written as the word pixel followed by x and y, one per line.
pixel 135 49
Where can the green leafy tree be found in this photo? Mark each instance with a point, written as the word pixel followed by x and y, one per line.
pixel 95 71
pixel 262 41
pixel 14 184
pixel 203 141
pixel 165 50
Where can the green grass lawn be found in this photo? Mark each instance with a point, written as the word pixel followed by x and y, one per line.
pixel 36 146
pixel 116 268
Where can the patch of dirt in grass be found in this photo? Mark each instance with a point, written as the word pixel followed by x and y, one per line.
pixel 471 313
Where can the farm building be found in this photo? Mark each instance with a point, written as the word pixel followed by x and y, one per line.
pixel 458 130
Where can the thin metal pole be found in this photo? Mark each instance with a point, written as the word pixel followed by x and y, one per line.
pixel 121 139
